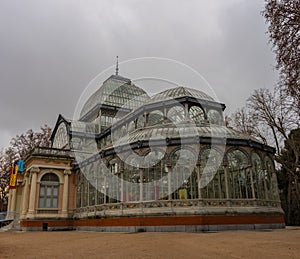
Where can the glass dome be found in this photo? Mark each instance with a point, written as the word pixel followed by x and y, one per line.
pixel 180 92
pixel 116 91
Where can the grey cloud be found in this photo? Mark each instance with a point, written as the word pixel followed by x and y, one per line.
pixel 50 50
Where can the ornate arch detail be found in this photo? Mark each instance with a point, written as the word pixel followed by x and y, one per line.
pixel 182 148
pixel 58 173
pixel 148 151
pixel 264 160
pixel 207 147
pixel 260 154
pixel 239 149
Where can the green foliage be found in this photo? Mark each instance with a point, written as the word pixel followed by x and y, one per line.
pixel 289 178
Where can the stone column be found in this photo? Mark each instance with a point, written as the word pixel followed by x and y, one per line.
pixel 31 210
pixel 25 195
pixel 13 203
pixel 64 211
pixel 9 204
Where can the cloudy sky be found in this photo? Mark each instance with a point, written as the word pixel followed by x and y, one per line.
pixel 50 50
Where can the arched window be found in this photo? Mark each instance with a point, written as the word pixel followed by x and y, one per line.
pixel 184 177
pixel 239 178
pixel 271 180
pixel 123 131
pixel 114 184
pixel 131 178
pixel 49 191
pixel 131 126
pixel 212 175
pixel 176 114
pixel 196 114
pixel 258 177
pixel 214 117
pixel 140 122
pixel 155 117
pixel 155 187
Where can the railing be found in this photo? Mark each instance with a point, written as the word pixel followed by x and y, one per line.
pixel 169 206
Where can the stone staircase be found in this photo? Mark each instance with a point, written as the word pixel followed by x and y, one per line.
pixel 13 226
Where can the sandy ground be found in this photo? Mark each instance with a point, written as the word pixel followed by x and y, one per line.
pixel 229 244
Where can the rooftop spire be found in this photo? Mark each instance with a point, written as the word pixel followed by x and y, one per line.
pixel 117 66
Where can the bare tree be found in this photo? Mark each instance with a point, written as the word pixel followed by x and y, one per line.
pixel 19 147
pixel 271 117
pixel 274 109
pixel 245 121
pixel 283 19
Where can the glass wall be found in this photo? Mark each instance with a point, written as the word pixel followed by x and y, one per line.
pixel 146 179
pixel 197 114
pixel 212 175
pixel 239 177
pixel 258 177
pixel 131 177
pixel 184 176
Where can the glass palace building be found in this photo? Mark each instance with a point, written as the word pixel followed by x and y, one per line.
pixel 132 162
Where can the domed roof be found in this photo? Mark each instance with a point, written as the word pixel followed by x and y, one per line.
pixel 183 131
pixel 116 91
pixel 180 92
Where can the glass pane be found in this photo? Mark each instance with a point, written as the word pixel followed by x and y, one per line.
pixel 54 201
pixel 42 191
pixel 50 178
pixel 155 117
pixel 214 117
pixel 41 203
pixel 48 203
pixel 55 191
pixel 48 191
pixel 176 114
pixel 196 114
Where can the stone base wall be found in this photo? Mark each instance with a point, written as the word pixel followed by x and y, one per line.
pixel 159 224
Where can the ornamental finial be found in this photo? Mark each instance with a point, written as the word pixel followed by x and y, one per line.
pixel 117 66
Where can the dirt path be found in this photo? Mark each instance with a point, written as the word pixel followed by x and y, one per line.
pixel 229 244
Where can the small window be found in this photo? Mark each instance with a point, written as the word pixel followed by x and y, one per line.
pixel 49 189
pixel 176 114
pixel 214 117
pixel 155 118
pixel 196 114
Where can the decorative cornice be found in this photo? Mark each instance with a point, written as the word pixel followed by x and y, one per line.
pixel 34 170
pixel 67 172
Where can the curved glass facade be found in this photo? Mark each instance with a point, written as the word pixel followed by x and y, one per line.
pixel 164 153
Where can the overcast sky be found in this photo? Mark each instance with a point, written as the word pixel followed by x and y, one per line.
pixel 50 50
